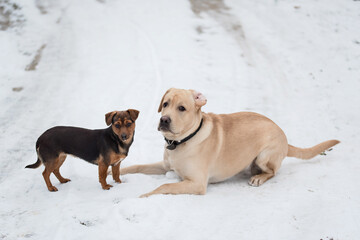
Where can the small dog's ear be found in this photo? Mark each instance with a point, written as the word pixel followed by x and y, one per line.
pixel 133 114
pixel 162 100
pixel 199 98
pixel 109 117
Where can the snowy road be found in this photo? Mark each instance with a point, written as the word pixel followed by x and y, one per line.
pixel 297 62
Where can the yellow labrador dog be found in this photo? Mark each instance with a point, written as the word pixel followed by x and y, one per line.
pixel 206 148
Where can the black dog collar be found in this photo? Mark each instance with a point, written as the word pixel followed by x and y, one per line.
pixel 172 144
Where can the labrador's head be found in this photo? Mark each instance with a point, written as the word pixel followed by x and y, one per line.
pixel 180 112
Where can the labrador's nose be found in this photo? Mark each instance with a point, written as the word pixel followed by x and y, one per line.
pixel 165 120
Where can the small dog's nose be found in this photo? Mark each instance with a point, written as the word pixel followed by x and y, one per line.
pixel 123 136
pixel 165 120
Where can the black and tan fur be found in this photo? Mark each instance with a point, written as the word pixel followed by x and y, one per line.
pixel 103 147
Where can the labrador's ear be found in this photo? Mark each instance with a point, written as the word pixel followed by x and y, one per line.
pixel 199 98
pixel 162 100
pixel 133 114
pixel 109 117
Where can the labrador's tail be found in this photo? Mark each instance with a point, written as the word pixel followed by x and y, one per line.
pixel 307 153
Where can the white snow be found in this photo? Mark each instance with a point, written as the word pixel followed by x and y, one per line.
pixel 297 62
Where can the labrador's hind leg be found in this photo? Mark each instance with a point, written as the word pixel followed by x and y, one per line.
pixel 265 167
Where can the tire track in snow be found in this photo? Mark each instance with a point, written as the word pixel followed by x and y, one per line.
pixel 220 13
pixel 157 88
pixel 23 119
pixel 256 57
pixel 32 66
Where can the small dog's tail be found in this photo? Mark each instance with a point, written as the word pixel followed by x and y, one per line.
pixel 38 162
pixel 307 153
pixel 35 165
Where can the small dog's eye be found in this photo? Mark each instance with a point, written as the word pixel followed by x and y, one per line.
pixel 181 108
pixel 128 124
pixel 117 125
pixel 165 104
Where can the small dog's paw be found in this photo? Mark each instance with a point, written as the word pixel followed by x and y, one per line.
pixel 52 189
pixel 65 180
pixel 107 187
pixel 117 180
pixel 255 181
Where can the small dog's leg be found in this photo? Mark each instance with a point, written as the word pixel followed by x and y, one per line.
pixel 46 175
pixel 116 173
pixel 102 175
pixel 58 175
pixel 183 187
pixel 56 172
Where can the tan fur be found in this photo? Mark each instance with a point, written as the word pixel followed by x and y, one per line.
pixel 307 153
pixel 103 174
pixel 116 172
pixel 225 145
pixel 54 167
pixel 115 161
pixel 116 158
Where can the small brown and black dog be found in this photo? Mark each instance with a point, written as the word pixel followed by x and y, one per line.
pixel 103 147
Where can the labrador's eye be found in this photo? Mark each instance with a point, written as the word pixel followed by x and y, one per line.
pixel 128 124
pixel 117 125
pixel 165 104
pixel 181 108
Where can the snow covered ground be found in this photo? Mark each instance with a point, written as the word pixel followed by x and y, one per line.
pixel 70 62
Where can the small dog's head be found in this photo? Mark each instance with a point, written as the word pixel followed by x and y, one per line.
pixel 180 112
pixel 123 123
